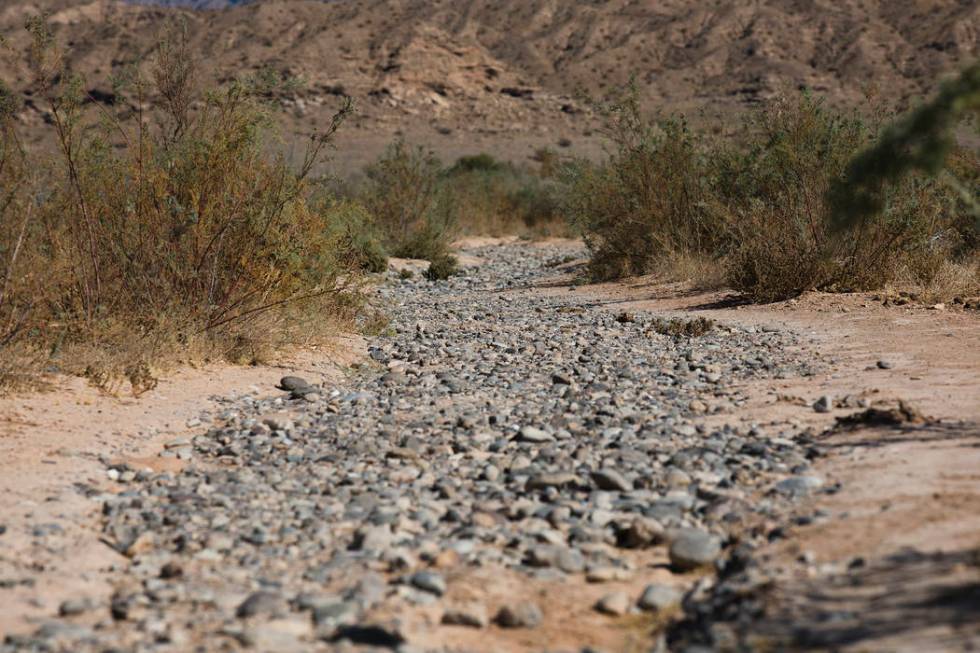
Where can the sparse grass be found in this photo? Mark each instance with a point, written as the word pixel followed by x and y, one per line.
pixel 162 236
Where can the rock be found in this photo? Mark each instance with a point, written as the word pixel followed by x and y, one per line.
pixel 559 378
pixel 523 614
pixel 429 581
pixel 657 598
pixel 799 485
pixel 260 603
pixel 559 557
pixel 885 365
pixel 614 603
pixel 472 615
pixel 72 607
pixel 293 383
pixel 608 479
pixel 824 404
pixel 555 479
pixel 691 549
pixel 534 435
pixel 639 533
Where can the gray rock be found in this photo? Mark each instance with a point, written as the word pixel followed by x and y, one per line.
pixel 472 615
pixel 429 581
pixel 824 404
pixel 799 485
pixel 260 603
pixel 523 614
pixel 691 549
pixel 534 435
pixel 292 383
pixel 614 603
pixel 657 598
pixel 609 479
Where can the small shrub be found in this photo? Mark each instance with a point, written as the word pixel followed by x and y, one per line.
pixel 649 199
pixel 442 267
pixel 408 204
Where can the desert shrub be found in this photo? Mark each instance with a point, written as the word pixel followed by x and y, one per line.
pixel 764 205
pixel 490 197
pixel 145 244
pixel 777 190
pixel 404 195
pixel 442 267
pixel 650 198
pixel 357 239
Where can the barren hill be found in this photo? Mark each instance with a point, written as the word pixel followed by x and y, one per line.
pixel 503 75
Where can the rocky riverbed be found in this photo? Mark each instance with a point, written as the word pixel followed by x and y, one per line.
pixel 509 471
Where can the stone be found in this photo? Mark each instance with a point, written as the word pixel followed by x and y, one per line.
pixel 293 383
pixel 799 485
pixel 824 404
pixel 691 549
pixel 523 614
pixel 611 480
pixel 614 603
pixel 658 598
pixel 534 435
pixel 429 581
pixel 472 615
pixel 260 603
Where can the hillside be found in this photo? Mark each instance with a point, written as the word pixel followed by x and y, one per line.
pixel 479 74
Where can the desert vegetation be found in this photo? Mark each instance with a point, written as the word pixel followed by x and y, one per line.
pixel 760 210
pixel 169 233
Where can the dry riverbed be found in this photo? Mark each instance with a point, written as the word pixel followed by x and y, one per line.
pixel 520 464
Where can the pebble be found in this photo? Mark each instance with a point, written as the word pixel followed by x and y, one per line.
pixel 471 615
pixel 824 404
pixel 429 581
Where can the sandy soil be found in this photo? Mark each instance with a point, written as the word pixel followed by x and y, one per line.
pixel 51 450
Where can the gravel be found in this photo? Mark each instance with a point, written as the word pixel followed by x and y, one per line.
pixel 492 428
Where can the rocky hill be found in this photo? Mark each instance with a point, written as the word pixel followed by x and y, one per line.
pixel 504 74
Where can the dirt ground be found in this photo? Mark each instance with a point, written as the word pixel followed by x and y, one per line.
pixel 907 513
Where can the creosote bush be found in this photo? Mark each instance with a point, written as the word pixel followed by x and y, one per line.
pixel 162 235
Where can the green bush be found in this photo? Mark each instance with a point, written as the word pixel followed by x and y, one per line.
pixel 494 198
pixel 357 238
pixel 777 192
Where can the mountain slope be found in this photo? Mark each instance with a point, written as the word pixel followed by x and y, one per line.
pixel 478 69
